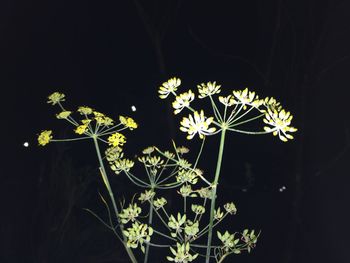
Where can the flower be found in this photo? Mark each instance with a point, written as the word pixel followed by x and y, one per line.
pixel 208 89
pixel 169 87
pixel 63 114
pixel 280 122
pixel 227 101
pixel 218 214
pixel 159 203
pixel 191 228
pixel 148 150
pixel 83 110
pixel 272 104
pixel 198 209
pixel 229 242
pixel 44 137
pixel 182 101
pixel 128 122
pixel 147 195
pixel 182 254
pixel 113 153
pixel 116 139
pixel 138 234
pixel 176 224
pixel 81 129
pixel 55 98
pixel 130 213
pixel 121 165
pixel 185 176
pixel 230 208
pixel 186 191
pixel 246 97
pixel 102 119
pixel 182 150
pixel 197 124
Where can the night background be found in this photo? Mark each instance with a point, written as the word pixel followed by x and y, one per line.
pixel 112 55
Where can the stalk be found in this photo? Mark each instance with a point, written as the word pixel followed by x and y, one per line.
pixel 212 204
pixel 150 219
pixel 108 186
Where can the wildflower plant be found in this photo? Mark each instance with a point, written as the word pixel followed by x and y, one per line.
pixel 189 233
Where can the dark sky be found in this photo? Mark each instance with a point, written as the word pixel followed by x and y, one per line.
pixel 114 54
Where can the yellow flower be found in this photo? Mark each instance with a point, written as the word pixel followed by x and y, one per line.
pixel 44 137
pixel 128 122
pixel 121 165
pixel 83 110
pixel 102 119
pixel 81 129
pixel 272 104
pixel 246 97
pixel 280 122
pixel 169 87
pixel 107 121
pixel 86 121
pixel 208 89
pixel 55 98
pixel 182 101
pixel 63 114
pixel 116 139
pixel 197 124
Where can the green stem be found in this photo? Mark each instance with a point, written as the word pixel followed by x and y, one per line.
pixel 150 224
pixel 108 186
pixel 222 258
pixel 212 205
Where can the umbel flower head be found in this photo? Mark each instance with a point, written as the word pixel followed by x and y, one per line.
pixel 280 121
pixel 182 101
pixel 55 98
pixel 246 97
pixel 208 89
pixel 44 137
pixel 116 139
pixel 128 122
pixel 168 87
pixel 197 123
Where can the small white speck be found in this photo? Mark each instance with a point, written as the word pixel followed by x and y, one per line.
pixel 133 108
pixel 26 144
pixel 284 188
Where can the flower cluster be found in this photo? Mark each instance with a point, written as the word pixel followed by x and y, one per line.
pixel 130 213
pixel 92 124
pixel 168 87
pixel 45 137
pixel 137 235
pixel 197 123
pixel 244 101
pixel 182 254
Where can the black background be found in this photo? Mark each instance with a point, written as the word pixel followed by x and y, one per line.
pixel 114 54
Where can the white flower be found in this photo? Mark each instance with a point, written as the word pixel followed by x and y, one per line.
pixel 246 97
pixel 169 87
pixel 197 123
pixel 208 89
pixel 182 101
pixel 280 122
pixel 227 101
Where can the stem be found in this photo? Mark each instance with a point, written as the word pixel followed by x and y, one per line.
pixel 222 258
pixel 149 223
pixel 108 186
pixel 214 188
